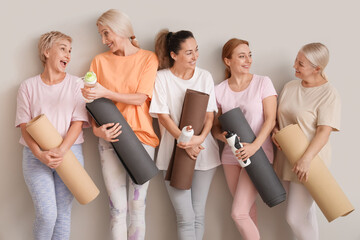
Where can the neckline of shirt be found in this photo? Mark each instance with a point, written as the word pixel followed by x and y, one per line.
pixel 194 76
pixel 246 89
pixel 53 85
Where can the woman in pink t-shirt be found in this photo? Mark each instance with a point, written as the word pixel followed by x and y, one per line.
pixel 256 97
pixel 56 94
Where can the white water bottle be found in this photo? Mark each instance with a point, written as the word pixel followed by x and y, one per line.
pixel 186 134
pixel 233 140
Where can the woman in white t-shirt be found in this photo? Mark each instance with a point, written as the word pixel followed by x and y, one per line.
pixel 256 97
pixel 314 104
pixel 177 53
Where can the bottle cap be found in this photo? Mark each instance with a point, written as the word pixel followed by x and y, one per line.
pixel 90 77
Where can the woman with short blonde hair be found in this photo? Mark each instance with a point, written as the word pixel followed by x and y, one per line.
pixel 46 94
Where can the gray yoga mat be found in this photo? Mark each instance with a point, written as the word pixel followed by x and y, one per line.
pixel 260 170
pixel 137 162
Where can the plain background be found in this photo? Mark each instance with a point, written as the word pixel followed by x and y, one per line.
pixel 275 29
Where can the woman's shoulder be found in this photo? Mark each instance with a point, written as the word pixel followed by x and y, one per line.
pixel 331 91
pixel 30 81
pixel 73 80
pixel 222 84
pixel 203 72
pixel 102 55
pixel 163 72
pixel 292 84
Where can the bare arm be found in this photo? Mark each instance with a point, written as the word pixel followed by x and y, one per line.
pixel 197 140
pixel 302 166
pixel 108 131
pixel 169 124
pixel 128 98
pixel 53 157
pixel 193 147
pixel 216 128
pixel 249 149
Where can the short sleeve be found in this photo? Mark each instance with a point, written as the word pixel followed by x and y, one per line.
pixel 212 105
pixel 23 112
pixel 267 88
pixel 146 82
pixel 80 113
pixel 329 112
pixel 159 100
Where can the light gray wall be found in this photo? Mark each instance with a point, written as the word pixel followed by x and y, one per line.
pixel 276 30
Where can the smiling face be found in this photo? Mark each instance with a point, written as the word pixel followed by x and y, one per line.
pixel 304 69
pixel 110 38
pixel 59 55
pixel 187 55
pixel 240 61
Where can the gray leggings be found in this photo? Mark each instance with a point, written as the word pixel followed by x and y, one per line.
pixel 189 205
pixel 52 199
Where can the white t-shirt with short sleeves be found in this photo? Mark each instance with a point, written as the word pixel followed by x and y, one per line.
pixel 168 98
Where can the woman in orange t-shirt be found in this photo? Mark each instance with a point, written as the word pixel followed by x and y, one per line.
pixel 126 75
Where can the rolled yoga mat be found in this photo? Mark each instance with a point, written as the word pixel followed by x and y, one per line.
pixel 321 184
pixel 137 162
pixel 181 168
pixel 70 170
pixel 260 170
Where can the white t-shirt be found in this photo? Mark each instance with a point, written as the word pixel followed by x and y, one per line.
pixel 168 98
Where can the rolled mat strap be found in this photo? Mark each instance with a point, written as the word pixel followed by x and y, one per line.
pixel 181 168
pixel 70 170
pixel 132 154
pixel 260 170
pixel 321 184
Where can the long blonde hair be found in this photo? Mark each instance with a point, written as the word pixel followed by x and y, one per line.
pixel 318 55
pixel 119 23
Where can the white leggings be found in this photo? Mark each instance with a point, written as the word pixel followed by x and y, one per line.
pixel 301 212
pixel 127 208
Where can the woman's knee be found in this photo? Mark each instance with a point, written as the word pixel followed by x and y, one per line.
pixel 46 218
pixel 185 218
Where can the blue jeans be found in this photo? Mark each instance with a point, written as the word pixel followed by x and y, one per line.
pixel 52 199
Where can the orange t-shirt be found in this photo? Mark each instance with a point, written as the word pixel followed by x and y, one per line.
pixel 130 74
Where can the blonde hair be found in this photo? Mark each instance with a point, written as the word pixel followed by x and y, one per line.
pixel 119 23
pixel 228 50
pixel 318 56
pixel 47 40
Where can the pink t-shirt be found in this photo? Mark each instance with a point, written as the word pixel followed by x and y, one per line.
pixel 250 102
pixel 62 103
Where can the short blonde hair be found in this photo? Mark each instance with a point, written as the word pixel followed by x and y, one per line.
pixel 317 54
pixel 119 23
pixel 47 40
